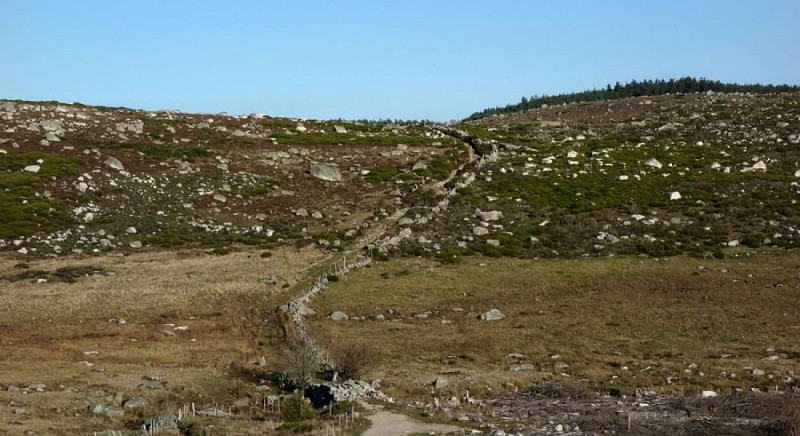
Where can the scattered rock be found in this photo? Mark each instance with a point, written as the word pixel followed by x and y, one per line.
pixel 327 172
pixel 440 383
pixel 480 231
pixel 114 163
pixel 653 163
pixel 134 403
pixel 492 315
pixel 419 166
pixel 338 316
pixel 493 215
pixel 521 367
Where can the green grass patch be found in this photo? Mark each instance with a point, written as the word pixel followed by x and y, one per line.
pixel 23 212
pixel 382 174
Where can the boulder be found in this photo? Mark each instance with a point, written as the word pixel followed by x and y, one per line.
pixel 653 163
pixel 338 316
pixel 114 163
pixel 339 129
pixel 134 403
pixel 492 315
pixel 675 195
pixel 32 168
pixel 480 231
pixel 493 215
pixel 521 367
pixel 327 172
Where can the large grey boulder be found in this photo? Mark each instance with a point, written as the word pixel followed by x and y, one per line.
pixel 52 126
pixel 328 172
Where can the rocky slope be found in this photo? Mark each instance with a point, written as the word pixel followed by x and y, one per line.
pixel 101 180
pixel 694 174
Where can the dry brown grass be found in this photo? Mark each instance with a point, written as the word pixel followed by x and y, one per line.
pixel 628 323
pixel 45 328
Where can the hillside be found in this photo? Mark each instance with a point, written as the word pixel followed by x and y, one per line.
pixel 605 266
pixel 684 85
pixel 689 174
pixel 97 180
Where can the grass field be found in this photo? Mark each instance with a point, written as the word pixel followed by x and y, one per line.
pixel 67 335
pixel 676 325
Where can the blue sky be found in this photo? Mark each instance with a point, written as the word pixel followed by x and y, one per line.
pixel 432 59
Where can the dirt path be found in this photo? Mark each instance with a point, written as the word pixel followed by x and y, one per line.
pixel 394 424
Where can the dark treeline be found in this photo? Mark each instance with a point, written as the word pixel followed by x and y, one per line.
pixel 633 89
pixel 384 121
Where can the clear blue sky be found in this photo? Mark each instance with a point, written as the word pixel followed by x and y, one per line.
pixel 436 59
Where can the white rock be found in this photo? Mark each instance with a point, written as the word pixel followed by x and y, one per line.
pixel 326 172
pixel 622 178
pixel 338 316
pixel 32 168
pixel 492 315
pixel 675 195
pixel 653 163
pixel 708 394
pixel 480 231
pixel 493 215
pixel 114 163
pixel 131 230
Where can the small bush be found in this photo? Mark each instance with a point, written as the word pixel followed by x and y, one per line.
pixel 296 409
pixel 353 362
pixel 266 254
pixel 333 278
pixel 221 251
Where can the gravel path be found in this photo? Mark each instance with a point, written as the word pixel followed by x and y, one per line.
pixel 394 424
